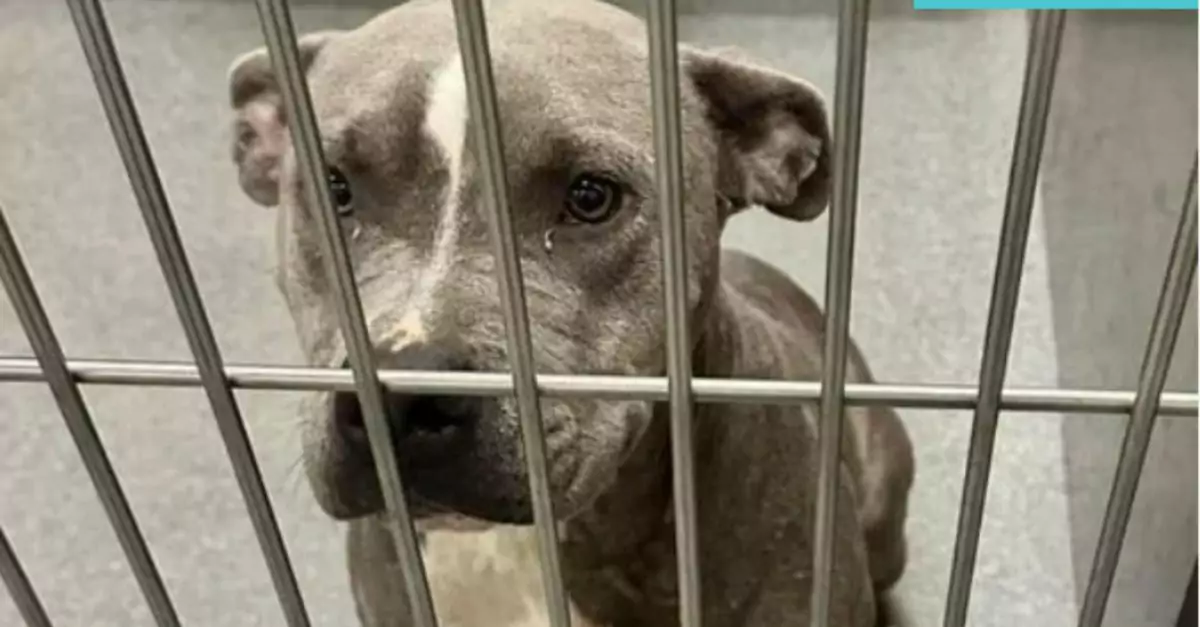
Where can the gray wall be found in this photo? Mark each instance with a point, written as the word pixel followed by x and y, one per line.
pixel 1122 141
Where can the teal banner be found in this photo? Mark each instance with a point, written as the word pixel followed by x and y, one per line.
pixel 1056 4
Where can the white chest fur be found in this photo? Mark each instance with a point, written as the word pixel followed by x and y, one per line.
pixel 488 578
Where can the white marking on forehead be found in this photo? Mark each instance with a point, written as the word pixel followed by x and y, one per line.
pixel 446 110
pixel 446 125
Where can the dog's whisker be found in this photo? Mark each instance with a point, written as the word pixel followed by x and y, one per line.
pixel 294 476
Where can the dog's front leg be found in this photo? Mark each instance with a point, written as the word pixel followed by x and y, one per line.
pixel 782 599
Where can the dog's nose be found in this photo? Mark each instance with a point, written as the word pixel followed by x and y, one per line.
pixel 432 422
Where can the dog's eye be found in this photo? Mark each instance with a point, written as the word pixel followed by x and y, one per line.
pixel 593 199
pixel 339 188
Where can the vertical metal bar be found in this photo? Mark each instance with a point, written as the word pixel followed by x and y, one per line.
pixel 668 165
pixel 1187 609
pixel 1172 301
pixel 96 40
pixel 19 587
pixel 280 36
pixel 853 20
pixel 15 277
pixel 1037 89
pixel 481 93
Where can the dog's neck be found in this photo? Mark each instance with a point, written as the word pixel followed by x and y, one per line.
pixel 626 524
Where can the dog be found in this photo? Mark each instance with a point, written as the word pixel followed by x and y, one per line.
pixel 574 98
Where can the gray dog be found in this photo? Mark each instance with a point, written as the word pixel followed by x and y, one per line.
pixel 574 99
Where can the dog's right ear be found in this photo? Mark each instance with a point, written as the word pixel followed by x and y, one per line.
pixel 260 127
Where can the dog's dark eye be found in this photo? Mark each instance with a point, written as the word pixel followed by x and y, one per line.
pixel 593 199
pixel 339 188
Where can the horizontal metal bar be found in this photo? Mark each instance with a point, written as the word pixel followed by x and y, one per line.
pixel 19 587
pixel 280 35
pixel 101 54
pixel 1156 361
pixel 707 390
pixel 471 27
pixel 853 22
pixel 1037 89
pixel 53 366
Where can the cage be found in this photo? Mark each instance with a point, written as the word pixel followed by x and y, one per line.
pixel 1071 199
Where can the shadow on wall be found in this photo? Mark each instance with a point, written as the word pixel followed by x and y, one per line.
pixel 1121 144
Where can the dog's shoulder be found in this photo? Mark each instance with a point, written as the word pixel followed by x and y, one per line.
pixel 772 317
pixel 768 287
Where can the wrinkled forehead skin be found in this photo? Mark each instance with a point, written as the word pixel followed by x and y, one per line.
pixel 574 96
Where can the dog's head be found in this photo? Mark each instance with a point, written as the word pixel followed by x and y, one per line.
pixel 574 100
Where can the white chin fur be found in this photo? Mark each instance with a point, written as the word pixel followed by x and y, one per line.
pixel 497 570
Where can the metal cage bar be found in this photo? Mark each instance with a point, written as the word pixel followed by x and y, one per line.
pixel 42 339
pixel 96 41
pixel 280 36
pixel 668 169
pixel 19 588
pixel 850 77
pixel 473 46
pixel 1160 346
pixel 1037 89
pixel 612 387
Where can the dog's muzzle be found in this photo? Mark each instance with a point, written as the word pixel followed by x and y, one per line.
pixel 455 452
pixel 425 427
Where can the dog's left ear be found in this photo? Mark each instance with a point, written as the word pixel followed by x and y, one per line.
pixel 773 134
